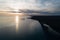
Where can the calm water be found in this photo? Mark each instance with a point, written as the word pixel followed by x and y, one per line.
pixel 19 27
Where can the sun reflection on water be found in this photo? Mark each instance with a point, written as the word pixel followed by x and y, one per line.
pixel 17 22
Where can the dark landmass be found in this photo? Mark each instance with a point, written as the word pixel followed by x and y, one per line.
pixel 53 22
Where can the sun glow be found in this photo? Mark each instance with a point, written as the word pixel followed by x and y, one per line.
pixel 20 14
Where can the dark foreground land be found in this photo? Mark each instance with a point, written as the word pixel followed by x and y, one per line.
pixel 53 22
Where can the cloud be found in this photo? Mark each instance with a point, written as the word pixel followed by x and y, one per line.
pixel 50 5
pixel 42 5
pixel 18 4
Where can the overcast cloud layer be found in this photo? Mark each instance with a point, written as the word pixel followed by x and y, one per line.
pixel 44 5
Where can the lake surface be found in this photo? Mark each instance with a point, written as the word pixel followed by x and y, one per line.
pixel 18 27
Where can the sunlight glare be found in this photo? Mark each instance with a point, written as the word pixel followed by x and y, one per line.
pixel 17 23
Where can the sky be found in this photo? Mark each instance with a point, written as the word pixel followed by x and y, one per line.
pixel 44 5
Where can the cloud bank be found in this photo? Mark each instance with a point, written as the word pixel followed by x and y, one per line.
pixel 41 5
